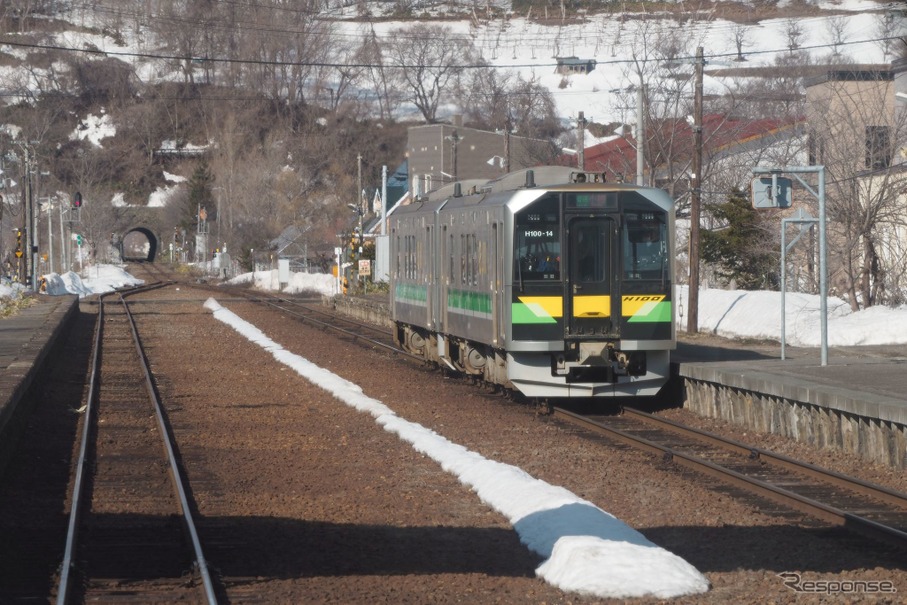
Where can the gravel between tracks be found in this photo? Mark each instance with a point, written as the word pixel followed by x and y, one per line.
pixel 328 507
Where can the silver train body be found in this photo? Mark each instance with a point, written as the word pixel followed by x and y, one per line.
pixel 547 281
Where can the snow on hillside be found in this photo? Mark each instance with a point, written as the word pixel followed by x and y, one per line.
pixel 521 44
pixel 530 49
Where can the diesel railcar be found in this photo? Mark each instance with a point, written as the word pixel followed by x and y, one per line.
pixel 548 281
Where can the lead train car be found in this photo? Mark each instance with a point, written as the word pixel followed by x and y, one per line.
pixel 544 281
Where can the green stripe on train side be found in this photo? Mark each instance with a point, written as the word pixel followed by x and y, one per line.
pixel 465 300
pixel 411 293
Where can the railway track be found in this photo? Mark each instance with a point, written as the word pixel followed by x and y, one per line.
pixel 131 519
pixel 782 485
pixel 848 502
pixel 312 311
pixel 798 488
pixel 785 485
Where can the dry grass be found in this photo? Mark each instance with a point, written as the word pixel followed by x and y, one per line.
pixel 10 305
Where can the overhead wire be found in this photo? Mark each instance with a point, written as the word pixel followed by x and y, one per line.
pixel 544 34
pixel 161 56
pixel 483 65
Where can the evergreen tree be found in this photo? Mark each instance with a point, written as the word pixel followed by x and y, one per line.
pixel 200 197
pixel 743 251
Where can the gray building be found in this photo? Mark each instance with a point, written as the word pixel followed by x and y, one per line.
pixel 438 154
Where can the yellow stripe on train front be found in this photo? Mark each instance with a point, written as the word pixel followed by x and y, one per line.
pixel 591 306
pixel 631 305
pixel 551 306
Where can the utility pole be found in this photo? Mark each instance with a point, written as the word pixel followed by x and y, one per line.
pixel 640 132
pixel 384 200
pixel 31 248
pixel 507 127
pixel 63 244
pixel 359 182
pixel 454 139
pixel 50 234
pixel 581 141
pixel 695 198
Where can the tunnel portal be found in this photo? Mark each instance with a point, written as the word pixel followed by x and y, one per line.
pixel 139 244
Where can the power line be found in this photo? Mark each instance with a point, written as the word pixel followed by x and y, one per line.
pixel 192 58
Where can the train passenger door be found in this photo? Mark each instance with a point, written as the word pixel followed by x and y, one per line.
pixel 495 278
pixel 430 277
pixel 590 305
pixel 445 270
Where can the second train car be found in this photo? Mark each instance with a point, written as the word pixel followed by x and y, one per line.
pixel 548 281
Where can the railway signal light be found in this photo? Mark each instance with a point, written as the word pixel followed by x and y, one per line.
pixel 77 200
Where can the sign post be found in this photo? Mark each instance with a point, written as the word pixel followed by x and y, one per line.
pixel 775 194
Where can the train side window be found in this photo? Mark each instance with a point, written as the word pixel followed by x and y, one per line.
pixel 421 264
pixel 474 257
pixel 645 244
pixel 462 259
pixel 410 257
pixel 537 241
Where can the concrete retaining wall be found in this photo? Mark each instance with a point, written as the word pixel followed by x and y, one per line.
pixel 373 311
pixel 876 440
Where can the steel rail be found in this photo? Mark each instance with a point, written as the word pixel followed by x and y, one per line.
pixel 353 335
pixel 855 484
pixel 306 304
pixel 175 474
pixel 78 486
pixel 76 510
pixel 780 495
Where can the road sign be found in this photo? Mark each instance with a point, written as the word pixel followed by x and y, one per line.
pixel 764 196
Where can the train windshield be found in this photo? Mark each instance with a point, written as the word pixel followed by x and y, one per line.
pixel 537 241
pixel 645 245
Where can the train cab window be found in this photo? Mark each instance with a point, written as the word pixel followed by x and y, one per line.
pixel 645 246
pixel 537 241
pixel 590 259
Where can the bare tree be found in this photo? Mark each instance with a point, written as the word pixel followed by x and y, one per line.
pixel 740 34
pixel 533 113
pixel 837 31
pixel 888 26
pixel 484 97
pixel 375 75
pixel 795 33
pixel 178 27
pixel 427 59
pixel 856 134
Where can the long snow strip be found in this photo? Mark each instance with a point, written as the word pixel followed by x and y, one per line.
pixel 587 550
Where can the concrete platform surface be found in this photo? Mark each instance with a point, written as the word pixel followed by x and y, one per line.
pixel 866 381
pixel 26 339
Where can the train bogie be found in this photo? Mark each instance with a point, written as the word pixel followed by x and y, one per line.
pixel 549 282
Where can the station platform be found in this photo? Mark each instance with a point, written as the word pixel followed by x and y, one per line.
pixel 865 380
pixel 856 402
pixel 27 339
